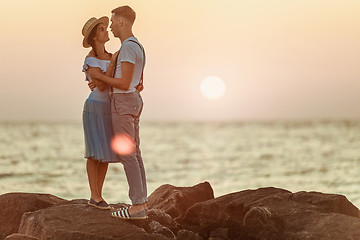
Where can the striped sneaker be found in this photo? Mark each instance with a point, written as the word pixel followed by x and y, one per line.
pixel 123 213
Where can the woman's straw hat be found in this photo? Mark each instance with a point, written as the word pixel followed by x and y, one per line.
pixel 89 25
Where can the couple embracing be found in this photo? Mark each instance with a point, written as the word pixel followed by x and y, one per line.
pixel 113 108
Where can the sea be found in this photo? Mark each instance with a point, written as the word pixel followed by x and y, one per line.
pixel 321 156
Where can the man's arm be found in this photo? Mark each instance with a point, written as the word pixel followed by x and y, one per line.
pixel 123 83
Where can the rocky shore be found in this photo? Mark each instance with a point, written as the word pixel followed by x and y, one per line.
pixel 185 213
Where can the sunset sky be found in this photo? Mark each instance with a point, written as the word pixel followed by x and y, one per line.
pixel 279 59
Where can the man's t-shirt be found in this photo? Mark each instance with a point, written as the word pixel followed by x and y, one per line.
pixel 132 53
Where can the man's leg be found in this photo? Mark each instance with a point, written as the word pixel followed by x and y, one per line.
pixel 138 156
pixel 125 124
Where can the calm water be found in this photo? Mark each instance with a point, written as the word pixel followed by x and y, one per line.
pixel 319 156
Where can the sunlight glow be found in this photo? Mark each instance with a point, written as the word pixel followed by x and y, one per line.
pixel 213 88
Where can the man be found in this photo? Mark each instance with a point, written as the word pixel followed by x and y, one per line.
pixel 127 104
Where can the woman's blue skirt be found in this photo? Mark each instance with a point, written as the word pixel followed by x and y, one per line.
pixel 98 131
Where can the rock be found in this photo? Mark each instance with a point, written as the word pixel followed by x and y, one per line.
pixel 176 200
pixel 264 222
pixel 273 214
pixel 327 203
pixel 188 235
pixel 330 226
pixel 14 205
pixel 164 219
pixel 77 220
pixel 188 213
pixel 219 234
pixel 227 212
pixel 295 216
pixel 17 236
pixel 157 228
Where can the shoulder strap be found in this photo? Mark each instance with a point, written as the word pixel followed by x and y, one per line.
pixel 116 60
pixel 143 51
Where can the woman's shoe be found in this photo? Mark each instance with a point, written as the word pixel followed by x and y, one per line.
pixel 100 205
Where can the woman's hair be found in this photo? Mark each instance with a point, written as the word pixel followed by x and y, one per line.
pixel 91 37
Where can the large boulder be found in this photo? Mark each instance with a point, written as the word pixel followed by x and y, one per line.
pixel 77 220
pixel 14 205
pixel 225 212
pixel 176 200
pixel 303 215
pixel 273 214
pixel 186 213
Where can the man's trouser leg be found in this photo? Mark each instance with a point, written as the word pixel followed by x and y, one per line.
pixel 139 158
pixel 126 110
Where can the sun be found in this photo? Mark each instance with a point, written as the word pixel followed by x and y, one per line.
pixel 213 88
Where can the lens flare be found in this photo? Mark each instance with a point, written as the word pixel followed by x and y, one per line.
pixel 123 144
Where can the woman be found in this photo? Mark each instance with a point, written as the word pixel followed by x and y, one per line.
pixel 97 123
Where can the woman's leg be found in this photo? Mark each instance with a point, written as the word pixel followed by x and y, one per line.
pixel 92 171
pixel 102 169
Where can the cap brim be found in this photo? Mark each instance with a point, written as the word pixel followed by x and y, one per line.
pixel 104 20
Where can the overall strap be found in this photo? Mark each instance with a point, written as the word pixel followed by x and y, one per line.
pixel 143 51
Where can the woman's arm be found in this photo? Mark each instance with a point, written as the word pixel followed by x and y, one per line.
pixel 109 72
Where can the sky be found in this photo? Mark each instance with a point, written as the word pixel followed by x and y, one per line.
pixel 279 59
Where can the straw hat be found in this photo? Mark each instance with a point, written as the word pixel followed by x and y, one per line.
pixel 89 25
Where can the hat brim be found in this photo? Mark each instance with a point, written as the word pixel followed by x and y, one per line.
pixel 104 20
